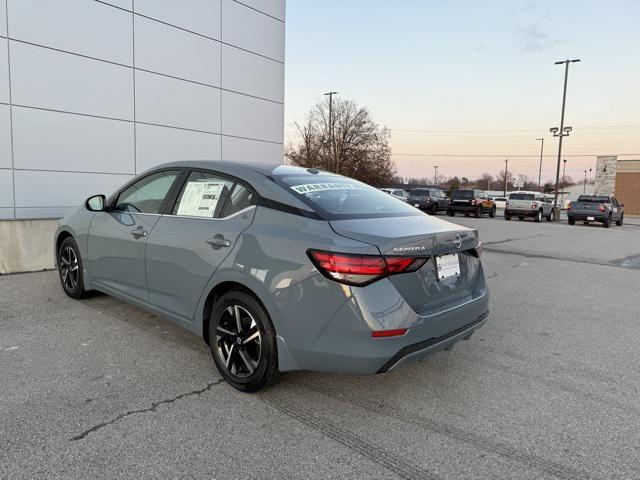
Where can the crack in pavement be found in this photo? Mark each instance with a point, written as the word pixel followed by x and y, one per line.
pixel 154 406
pixel 479 441
pixel 560 259
pixel 374 453
pixel 507 240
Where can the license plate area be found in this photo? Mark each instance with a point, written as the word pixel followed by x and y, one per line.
pixel 416 204
pixel 447 266
pixel 590 218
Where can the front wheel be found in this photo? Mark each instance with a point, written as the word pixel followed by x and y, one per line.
pixel 571 221
pixel 70 269
pixel 243 342
pixel 620 220
pixel 550 216
pixel 451 212
pixel 538 216
pixel 492 213
pixel 507 217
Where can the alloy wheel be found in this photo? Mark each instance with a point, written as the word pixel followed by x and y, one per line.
pixel 69 268
pixel 238 340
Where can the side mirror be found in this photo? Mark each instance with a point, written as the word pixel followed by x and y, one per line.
pixel 97 203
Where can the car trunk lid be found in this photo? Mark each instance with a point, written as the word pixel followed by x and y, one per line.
pixel 421 236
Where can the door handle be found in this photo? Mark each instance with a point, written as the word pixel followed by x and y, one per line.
pixel 218 241
pixel 139 232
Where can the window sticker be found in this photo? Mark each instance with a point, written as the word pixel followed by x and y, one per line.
pixel 200 199
pixel 317 187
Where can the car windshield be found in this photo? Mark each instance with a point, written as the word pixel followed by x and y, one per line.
pixel 462 194
pixel 522 196
pixel 335 197
pixel 593 199
pixel 419 192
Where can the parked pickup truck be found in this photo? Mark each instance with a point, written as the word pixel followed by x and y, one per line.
pixel 528 204
pixel 469 202
pixel 603 209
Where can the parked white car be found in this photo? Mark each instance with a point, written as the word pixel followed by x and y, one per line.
pixel 501 202
pixel 397 193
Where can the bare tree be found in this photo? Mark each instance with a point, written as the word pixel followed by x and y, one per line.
pixel 359 147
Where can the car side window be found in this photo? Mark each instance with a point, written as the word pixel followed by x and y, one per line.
pixel 148 194
pixel 202 195
pixel 241 198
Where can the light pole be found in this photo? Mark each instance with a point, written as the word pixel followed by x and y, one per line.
pixel 331 94
pixel 564 167
pixel 584 188
pixel 562 131
pixel 435 174
pixel 506 164
pixel 540 170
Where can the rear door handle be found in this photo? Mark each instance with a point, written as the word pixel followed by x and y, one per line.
pixel 218 242
pixel 139 232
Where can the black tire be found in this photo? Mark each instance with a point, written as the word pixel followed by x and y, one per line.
pixel 550 216
pixel 451 213
pixel 538 216
pixel 252 361
pixel 521 219
pixel 466 214
pixel 492 213
pixel 507 218
pixel 434 210
pixel 478 212
pixel 69 264
pixel 571 221
pixel 620 221
pixel 607 221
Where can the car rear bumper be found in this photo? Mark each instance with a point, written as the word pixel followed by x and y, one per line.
pixel 517 212
pixel 463 208
pixel 343 343
pixel 586 216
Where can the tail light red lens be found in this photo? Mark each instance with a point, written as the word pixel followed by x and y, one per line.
pixel 361 269
pixel 534 205
pixel 601 208
pixel 388 333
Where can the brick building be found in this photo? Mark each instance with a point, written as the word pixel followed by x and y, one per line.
pixel 620 178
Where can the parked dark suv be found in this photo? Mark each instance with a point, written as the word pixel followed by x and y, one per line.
pixel 431 199
pixel 470 202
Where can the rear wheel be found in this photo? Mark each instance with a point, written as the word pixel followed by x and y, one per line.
pixel 607 221
pixel 466 214
pixel 478 212
pixel 521 218
pixel 538 216
pixel 70 269
pixel 507 217
pixel 451 212
pixel 571 221
pixel 620 220
pixel 492 213
pixel 550 216
pixel 243 342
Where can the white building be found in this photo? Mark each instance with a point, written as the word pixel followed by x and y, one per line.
pixel 94 92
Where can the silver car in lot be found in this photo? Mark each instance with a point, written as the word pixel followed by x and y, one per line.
pixel 279 268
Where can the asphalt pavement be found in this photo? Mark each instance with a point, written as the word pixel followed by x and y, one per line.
pixel 547 389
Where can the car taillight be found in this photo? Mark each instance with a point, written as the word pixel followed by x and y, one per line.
pixel 473 202
pixel 353 269
pixel 601 208
pixel 389 333
pixel 477 250
pixel 506 204
pixel 534 205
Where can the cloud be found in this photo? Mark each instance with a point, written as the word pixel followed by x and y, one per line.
pixel 532 38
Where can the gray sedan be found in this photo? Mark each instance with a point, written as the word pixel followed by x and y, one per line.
pixel 279 268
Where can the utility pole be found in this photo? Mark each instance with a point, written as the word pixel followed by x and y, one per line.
pixel 540 170
pixel 563 131
pixel 435 174
pixel 506 165
pixel 331 142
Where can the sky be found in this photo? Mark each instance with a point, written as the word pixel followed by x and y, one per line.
pixel 466 84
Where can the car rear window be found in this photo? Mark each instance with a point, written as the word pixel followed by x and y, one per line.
pixel 522 196
pixel 335 197
pixel 419 192
pixel 462 194
pixel 593 199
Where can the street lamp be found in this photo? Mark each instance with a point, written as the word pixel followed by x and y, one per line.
pixel 435 174
pixel 562 131
pixel 331 94
pixel 564 167
pixel 506 164
pixel 541 150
